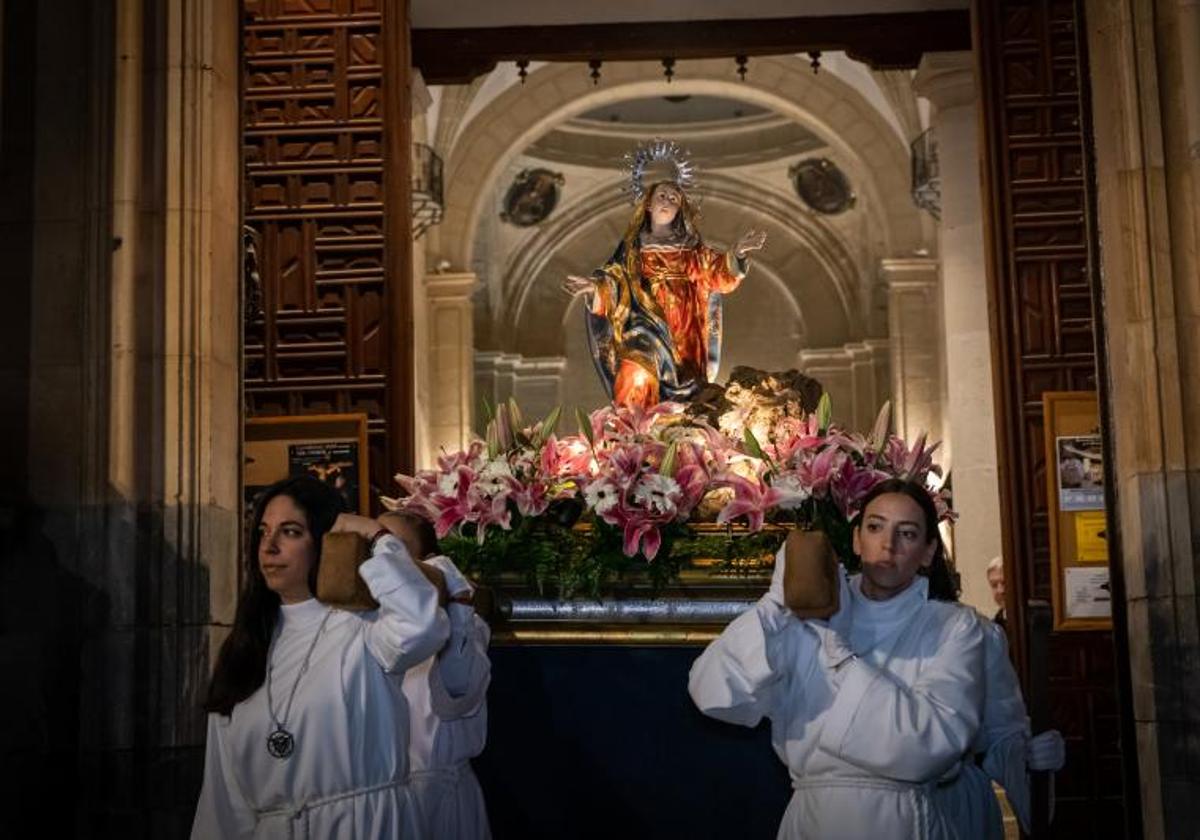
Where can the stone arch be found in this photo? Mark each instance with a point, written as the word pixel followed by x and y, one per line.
pixel 826 105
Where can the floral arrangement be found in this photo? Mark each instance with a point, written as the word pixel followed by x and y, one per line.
pixel 642 479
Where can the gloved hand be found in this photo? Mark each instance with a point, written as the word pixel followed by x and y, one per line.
pixel 775 591
pixel 456 582
pixel 1046 751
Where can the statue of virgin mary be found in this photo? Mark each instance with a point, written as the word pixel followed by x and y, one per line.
pixel 653 311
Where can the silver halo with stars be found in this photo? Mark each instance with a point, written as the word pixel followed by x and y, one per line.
pixel 658 151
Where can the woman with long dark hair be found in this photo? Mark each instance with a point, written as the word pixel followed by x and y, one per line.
pixel 307 727
pixel 873 706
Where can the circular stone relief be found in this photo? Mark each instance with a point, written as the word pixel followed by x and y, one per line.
pixel 822 186
pixel 531 197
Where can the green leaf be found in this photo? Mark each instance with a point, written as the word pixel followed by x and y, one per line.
pixel 585 425
pixel 879 433
pixel 752 445
pixel 824 412
pixel 492 437
pixel 667 467
pixel 551 422
pixel 489 411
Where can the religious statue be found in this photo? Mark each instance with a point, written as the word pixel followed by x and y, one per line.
pixel 654 310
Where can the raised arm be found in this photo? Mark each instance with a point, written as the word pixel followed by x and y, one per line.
pixel 460 679
pixel 222 810
pixel 912 733
pixel 739 676
pixel 718 271
pixel 408 627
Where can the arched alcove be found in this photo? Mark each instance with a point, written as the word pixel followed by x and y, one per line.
pixel 828 107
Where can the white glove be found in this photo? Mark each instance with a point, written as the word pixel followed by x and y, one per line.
pixel 1046 751
pixel 456 583
pixel 776 589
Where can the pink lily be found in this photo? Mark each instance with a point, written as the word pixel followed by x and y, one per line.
pixel 453 509
pixel 532 499
pixel 912 463
pixel 816 472
pixel 751 499
pixel 643 534
pixel 851 484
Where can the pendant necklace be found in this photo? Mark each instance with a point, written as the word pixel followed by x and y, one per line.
pixel 281 743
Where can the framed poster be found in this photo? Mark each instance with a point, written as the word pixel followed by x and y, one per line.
pixel 1079 574
pixel 330 447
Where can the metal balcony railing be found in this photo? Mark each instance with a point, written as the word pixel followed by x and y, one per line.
pixel 926 180
pixel 427 200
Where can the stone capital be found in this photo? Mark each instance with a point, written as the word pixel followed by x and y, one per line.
pixel 946 79
pixel 456 287
pixel 906 273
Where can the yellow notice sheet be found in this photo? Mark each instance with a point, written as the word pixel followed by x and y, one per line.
pixel 1091 537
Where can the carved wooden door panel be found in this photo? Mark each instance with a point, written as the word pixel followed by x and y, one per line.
pixel 324 324
pixel 1044 275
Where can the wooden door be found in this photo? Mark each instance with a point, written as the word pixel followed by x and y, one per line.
pixel 326 206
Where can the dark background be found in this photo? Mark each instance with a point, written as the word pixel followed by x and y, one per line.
pixel 604 742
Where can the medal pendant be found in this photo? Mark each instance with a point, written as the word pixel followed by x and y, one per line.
pixel 281 743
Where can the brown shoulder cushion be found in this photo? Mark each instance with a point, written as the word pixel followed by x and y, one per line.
pixel 810 584
pixel 338 582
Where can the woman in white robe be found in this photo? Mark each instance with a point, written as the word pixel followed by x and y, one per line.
pixel 871 709
pixel 447 695
pixel 447 701
pixel 308 728
pixel 1006 750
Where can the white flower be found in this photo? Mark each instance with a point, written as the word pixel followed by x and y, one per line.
pixel 495 477
pixel 602 496
pixel 523 461
pixel 657 493
pixel 792 491
pixel 448 483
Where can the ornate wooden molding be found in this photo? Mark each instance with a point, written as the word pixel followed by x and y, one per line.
pixel 1043 280
pixel 884 41
pixel 326 168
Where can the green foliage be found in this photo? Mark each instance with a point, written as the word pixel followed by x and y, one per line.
pixel 565 562
pixel 824 412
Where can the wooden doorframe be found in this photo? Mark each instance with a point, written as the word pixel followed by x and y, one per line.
pixel 397 119
pixel 1020 377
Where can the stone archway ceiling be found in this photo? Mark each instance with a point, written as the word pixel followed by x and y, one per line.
pixel 555 98
pixel 717 131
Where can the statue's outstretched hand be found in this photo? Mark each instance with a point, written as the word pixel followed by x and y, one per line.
pixel 751 240
pixel 575 285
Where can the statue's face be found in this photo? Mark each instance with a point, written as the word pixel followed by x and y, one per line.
pixel 664 204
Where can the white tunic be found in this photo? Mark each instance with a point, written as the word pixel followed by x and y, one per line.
pixel 447 699
pixel 865 739
pixel 970 800
pixel 347 776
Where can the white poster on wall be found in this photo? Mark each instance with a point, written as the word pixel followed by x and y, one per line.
pixel 1087 592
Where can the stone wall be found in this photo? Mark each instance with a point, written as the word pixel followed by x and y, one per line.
pixel 1145 69
pixel 120 541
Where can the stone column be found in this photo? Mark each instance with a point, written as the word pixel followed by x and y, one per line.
pixel 947 80
pixel 451 351
pixel 854 375
pixel 535 383
pixel 1145 77
pixel 915 345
